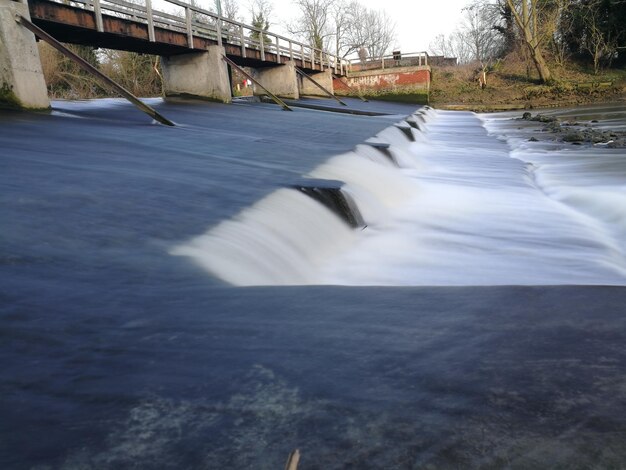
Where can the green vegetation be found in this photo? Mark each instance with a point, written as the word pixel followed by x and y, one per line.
pixel 8 98
pixel 546 35
pixel 512 86
pixel 138 73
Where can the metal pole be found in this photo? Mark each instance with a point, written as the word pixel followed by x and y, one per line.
pixel 41 34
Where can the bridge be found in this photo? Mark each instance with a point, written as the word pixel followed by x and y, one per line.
pixel 198 48
pixel 122 25
pixel 192 42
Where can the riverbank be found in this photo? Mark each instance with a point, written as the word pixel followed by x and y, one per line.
pixel 509 87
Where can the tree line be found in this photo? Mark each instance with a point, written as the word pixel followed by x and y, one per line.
pixel 543 31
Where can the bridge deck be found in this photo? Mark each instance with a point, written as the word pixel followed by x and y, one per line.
pixel 129 31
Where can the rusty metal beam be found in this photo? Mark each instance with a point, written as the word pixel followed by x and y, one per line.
pixel 276 99
pixel 327 92
pixel 82 63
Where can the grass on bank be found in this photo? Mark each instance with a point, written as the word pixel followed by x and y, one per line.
pixel 512 85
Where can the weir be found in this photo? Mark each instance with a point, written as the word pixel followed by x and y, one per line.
pixel 288 236
pixel 329 194
pixel 439 210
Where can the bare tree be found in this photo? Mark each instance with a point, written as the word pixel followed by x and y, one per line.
pixel 314 23
pixel 528 18
pixel 453 45
pixel 230 9
pixel 380 33
pixel 261 11
pixel 478 32
pixel 341 17
pixel 352 26
pixel 355 37
pixel 369 29
pixel 596 41
pixel 262 8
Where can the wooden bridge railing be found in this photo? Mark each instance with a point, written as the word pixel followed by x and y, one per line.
pixel 198 22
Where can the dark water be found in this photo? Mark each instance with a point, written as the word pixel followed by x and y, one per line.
pixel 115 354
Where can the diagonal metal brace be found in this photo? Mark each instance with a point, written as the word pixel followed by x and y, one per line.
pixel 350 88
pixel 302 72
pixel 276 99
pixel 82 63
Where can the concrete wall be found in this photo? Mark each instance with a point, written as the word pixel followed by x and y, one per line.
pixel 308 88
pixel 406 84
pixel 199 74
pixel 22 84
pixel 281 80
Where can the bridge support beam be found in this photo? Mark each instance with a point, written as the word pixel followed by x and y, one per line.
pixel 325 79
pixel 22 84
pixel 198 74
pixel 281 80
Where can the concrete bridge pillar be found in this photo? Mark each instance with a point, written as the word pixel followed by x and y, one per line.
pixel 281 80
pixel 22 84
pixel 198 74
pixel 324 78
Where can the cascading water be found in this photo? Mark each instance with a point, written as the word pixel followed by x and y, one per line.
pixel 448 198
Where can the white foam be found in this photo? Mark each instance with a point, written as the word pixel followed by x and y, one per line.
pixel 472 202
pixel 282 239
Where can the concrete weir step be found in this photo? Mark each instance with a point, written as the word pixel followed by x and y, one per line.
pixel 329 194
pixel 330 106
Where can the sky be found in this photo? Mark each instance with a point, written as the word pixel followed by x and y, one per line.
pixel 417 21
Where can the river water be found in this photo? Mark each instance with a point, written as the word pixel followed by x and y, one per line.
pixel 169 300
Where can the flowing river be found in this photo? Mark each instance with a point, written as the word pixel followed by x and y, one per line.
pixel 402 288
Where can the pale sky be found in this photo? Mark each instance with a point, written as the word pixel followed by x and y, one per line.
pixel 417 21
